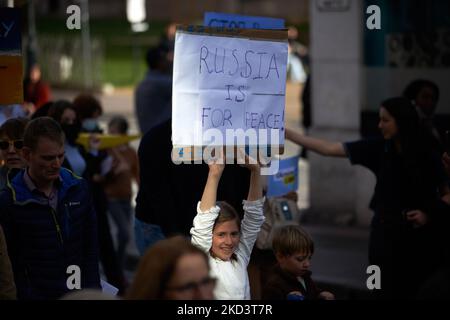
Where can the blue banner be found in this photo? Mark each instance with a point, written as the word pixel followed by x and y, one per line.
pixel 10 31
pixel 285 180
pixel 225 20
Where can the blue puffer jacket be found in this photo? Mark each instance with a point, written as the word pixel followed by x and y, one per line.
pixel 43 243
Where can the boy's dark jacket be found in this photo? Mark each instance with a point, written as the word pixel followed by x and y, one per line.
pixel 280 284
pixel 42 243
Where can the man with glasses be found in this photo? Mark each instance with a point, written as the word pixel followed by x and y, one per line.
pixel 11 143
pixel 48 220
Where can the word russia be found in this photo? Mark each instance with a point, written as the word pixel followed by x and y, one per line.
pixel 232 62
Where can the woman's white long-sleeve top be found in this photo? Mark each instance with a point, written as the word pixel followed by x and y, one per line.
pixel 232 276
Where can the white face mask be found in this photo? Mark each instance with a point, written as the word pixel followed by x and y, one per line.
pixel 90 124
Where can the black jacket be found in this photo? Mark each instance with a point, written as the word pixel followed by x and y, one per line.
pixel 43 243
pixel 169 193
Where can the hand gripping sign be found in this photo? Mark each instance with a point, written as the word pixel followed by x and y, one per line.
pixel 228 90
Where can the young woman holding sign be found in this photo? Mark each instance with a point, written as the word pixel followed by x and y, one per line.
pixel 228 241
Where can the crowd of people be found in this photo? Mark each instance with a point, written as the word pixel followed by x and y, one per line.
pixel 196 238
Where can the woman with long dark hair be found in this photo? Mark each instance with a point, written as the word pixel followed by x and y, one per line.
pixel 407 199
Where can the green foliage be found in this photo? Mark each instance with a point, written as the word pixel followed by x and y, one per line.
pixel 123 61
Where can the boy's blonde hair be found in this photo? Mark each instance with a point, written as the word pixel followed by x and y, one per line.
pixel 289 240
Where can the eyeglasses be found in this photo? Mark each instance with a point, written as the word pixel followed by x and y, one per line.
pixel 190 286
pixel 4 145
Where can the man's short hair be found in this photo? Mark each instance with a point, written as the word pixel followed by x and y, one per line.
pixel 43 127
pixel 13 128
pixel 291 239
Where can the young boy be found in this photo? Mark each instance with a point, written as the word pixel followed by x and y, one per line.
pixel 293 249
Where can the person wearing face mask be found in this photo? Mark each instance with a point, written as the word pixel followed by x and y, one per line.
pixel 88 109
pixel 64 113
pixel 11 144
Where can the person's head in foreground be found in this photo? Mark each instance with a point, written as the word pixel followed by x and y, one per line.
pixel 11 142
pixel 293 248
pixel 88 294
pixel 173 269
pixel 226 233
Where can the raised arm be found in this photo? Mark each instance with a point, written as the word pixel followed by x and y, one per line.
pixel 207 211
pixel 255 189
pixel 323 147
pixel 253 214
pixel 210 192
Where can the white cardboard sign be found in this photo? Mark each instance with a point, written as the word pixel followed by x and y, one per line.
pixel 223 82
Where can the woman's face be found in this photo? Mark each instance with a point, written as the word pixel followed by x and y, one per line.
pixel 387 124
pixel 11 152
pixel 225 240
pixel 426 101
pixel 68 117
pixel 191 280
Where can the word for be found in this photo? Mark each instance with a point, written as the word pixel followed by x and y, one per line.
pixel 5 28
pixel 258 65
pixel 374 280
pixel 219 117
pixel 74 20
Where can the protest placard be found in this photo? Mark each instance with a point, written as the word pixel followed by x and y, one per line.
pixel 227 81
pixel 227 20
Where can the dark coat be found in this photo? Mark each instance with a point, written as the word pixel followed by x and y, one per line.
pixel 280 284
pixel 7 286
pixel 169 193
pixel 43 243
